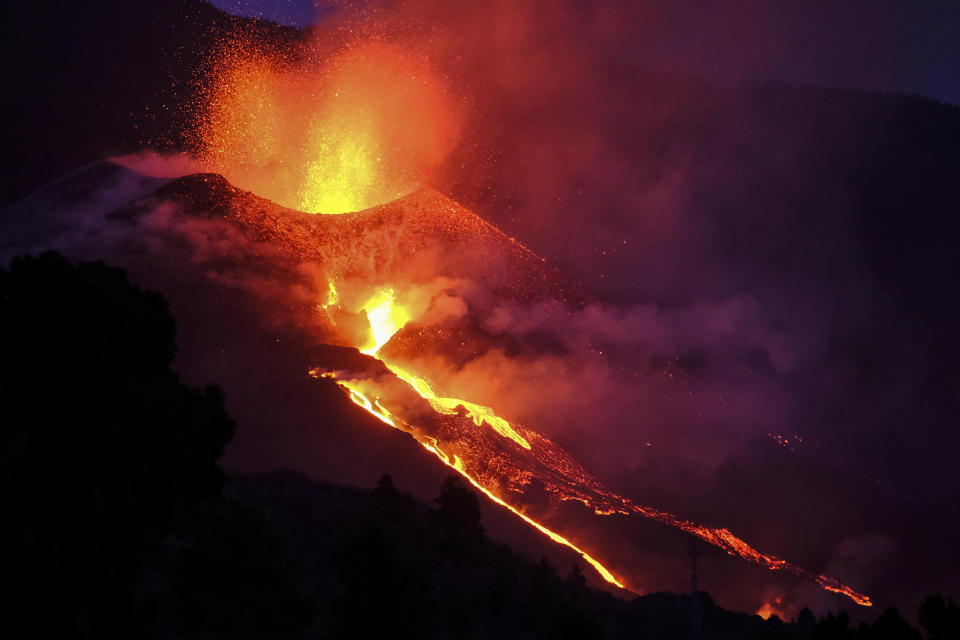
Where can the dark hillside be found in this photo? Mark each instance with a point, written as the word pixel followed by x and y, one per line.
pixel 120 525
pixel 433 571
pixel 379 562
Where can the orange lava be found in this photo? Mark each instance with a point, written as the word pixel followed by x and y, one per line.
pixel 490 463
pixel 769 609
pixel 455 463
pixel 336 135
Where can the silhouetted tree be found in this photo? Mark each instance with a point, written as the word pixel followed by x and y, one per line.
pixel 571 619
pixel 545 584
pixel 776 629
pixel 458 507
pixel 381 592
pixel 833 627
pixel 940 618
pixel 572 622
pixel 892 626
pixel 102 442
pixel 104 451
pixel 233 580
pixel 386 493
pixel 575 580
pixel 805 623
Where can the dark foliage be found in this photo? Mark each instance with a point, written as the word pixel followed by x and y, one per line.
pixel 119 528
pixel 458 507
pixel 232 579
pixel 940 618
pixel 107 455
pixel 377 577
pixel 381 563
pixel 890 625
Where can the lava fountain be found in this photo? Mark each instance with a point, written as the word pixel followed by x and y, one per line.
pixel 357 129
pixel 364 127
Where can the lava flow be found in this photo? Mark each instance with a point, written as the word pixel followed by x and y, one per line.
pixel 385 321
pixel 498 470
pixel 361 253
pixel 364 128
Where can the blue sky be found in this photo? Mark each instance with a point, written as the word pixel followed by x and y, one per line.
pixel 298 13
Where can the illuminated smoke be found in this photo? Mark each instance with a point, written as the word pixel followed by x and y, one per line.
pixel 489 465
pixel 341 131
pixel 331 135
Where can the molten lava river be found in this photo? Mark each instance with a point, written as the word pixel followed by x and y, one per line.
pixel 499 457
pixel 363 131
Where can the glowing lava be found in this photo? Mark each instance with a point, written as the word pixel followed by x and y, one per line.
pixel 342 133
pixel 772 608
pixel 497 469
pixel 454 462
pixel 330 135
pixel 343 176
pixel 386 318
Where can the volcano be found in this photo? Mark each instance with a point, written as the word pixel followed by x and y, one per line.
pixel 370 300
pixel 382 245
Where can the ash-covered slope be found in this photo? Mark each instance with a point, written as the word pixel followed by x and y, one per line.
pixel 407 244
pixel 423 243
pixel 312 281
pixel 414 238
pixel 244 271
pixel 201 226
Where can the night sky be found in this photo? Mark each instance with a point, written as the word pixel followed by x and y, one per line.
pixel 887 45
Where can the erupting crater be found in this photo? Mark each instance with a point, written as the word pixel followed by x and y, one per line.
pixel 337 135
pixel 402 269
pixel 389 275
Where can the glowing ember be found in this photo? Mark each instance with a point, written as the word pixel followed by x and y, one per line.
pixel 772 608
pixel 332 136
pixel 385 318
pixel 481 415
pixel 344 175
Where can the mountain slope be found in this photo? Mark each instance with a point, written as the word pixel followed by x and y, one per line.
pixel 452 581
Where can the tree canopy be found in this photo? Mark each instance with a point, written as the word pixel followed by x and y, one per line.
pixel 107 454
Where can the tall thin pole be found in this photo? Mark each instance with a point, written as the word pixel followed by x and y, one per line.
pixel 693 554
pixel 694 591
